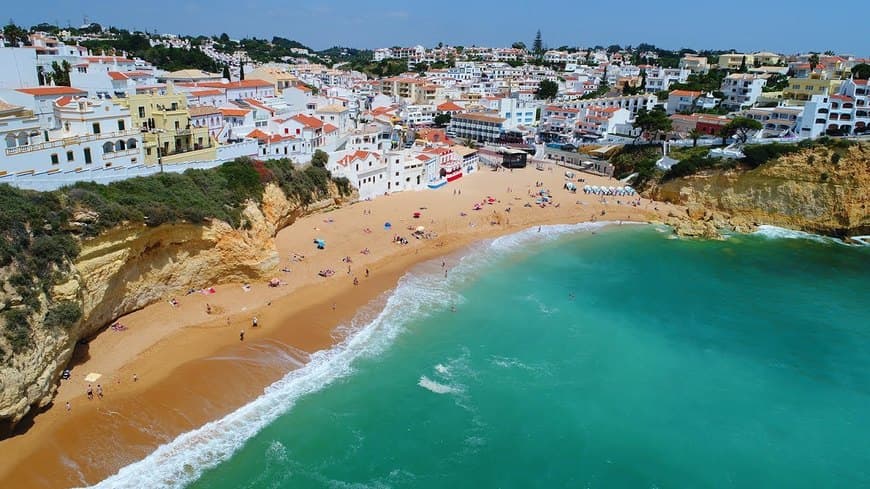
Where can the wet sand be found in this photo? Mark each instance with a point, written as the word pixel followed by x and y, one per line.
pixel 191 366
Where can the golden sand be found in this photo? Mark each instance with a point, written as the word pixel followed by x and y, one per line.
pixel 191 366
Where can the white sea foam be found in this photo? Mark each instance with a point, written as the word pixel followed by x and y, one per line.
pixel 436 387
pixel 181 461
pixel 441 369
pixel 774 232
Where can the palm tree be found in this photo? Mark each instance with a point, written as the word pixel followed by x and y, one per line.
pixel 695 134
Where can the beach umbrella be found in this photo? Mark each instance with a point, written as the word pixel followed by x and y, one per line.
pixel 387 225
pixel 420 229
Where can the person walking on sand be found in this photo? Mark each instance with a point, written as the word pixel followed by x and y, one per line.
pixel 254 322
pixel 242 335
pixel 68 407
pixel 208 308
pixel 135 378
pixel 367 273
pixel 90 392
pixel 99 391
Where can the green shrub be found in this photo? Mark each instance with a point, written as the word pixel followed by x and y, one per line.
pixel 757 155
pixel 18 330
pixel 63 314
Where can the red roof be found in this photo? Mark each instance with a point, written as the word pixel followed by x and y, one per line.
pixel 43 91
pixel 308 121
pixel 63 100
pixel 449 106
pixel 234 112
pixel 844 98
pixel 686 93
pixel 117 75
pixel 329 128
pixel 357 155
pixel 207 93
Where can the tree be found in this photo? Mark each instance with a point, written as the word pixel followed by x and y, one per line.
pixel 743 65
pixel 441 120
pixel 814 61
pixel 652 122
pixel 861 71
pixel 226 74
pixel 519 45
pixel 320 158
pixel 613 48
pixel 60 72
pixel 538 45
pixel 15 35
pixel 547 89
pixel 241 70
pixel 695 134
pixel 742 127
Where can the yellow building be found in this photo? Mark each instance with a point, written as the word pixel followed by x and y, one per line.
pixel 280 77
pixel 734 61
pixel 767 59
pixel 168 136
pixel 802 89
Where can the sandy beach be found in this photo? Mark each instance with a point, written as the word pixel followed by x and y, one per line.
pixel 190 366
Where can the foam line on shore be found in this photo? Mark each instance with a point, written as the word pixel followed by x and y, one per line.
pixel 775 232
pixel 182 461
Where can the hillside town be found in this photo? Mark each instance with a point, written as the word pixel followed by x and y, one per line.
pixel 399 118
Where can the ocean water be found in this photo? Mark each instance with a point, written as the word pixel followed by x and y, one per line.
pixel 575 357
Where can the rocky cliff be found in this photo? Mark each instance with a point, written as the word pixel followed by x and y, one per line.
pixel 129 267
pixel 819 190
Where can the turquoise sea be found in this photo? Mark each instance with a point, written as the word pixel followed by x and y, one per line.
pixel 575 357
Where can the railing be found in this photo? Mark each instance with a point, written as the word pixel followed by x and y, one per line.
pixel 71 141
pixel 121 154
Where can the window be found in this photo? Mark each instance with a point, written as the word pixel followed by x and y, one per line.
pixel 54 159
pixel 96 127
pixel 121 125
pixel 70 156
pixel 142 112
pixel 88 156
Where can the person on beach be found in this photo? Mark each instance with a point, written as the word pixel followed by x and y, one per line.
pixel 242 335
pixel 135 378
pixel 208 308
pixel 254 322
pixel 367 273
pixel 90 392
pixel 99 391
pixel 355 281
pixel 333 306
pixel 68 407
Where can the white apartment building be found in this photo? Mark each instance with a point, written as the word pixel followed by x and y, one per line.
pixel 682 101
pixel 659 79
pixel 741 90
pixel 632 103
pixel 597 122
pixel 476 126
pixel 419 115
pixel 91 132
pixel 40 100
pixel 18 67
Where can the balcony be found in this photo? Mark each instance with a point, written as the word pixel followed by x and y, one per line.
pixel 120 154
pixel 70 141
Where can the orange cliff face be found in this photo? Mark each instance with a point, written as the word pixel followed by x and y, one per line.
pixel 820 190
pixel 127 268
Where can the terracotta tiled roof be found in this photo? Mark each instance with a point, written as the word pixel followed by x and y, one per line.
pixel 329 128
pixel 117 75
pixel 207 93
pixel 43 91
pixel 449 106
pixel 308 121
pixel 227 112
pixel 685 93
